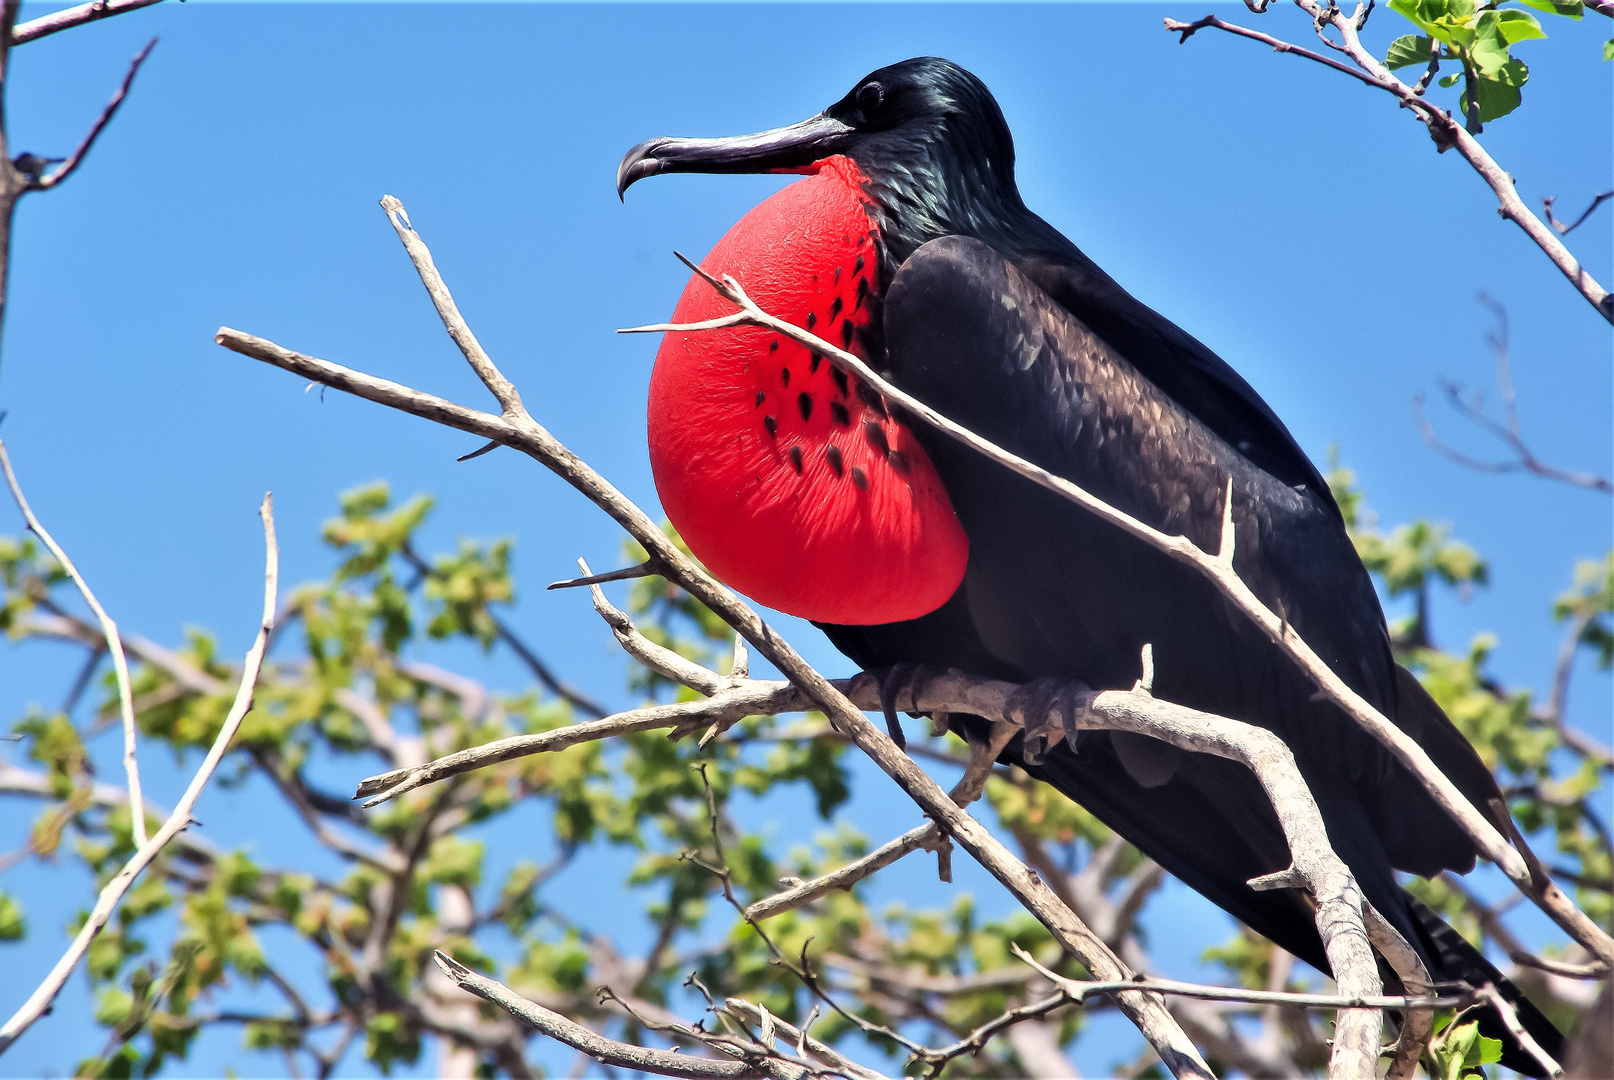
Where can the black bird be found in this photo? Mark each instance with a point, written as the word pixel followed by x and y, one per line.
pixel 975 305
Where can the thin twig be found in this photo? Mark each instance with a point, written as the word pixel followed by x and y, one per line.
pixel 1416 1024
pixel 1565 230
pixel 844 878
pixel 1510 1020
pixel 120 664
pixel 502 389
pixel 1508 430
pixel 67 168
pixel 606 1051
pixel 1079 990
pixel 40 1001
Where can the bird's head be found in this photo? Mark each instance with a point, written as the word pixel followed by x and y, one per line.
pixel 926 134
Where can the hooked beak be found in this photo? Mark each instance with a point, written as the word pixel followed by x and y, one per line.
pixel 786 149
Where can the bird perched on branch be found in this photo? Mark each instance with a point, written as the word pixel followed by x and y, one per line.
pixel 908 244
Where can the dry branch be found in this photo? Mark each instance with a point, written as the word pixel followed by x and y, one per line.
pixel 120 663
pixel 67 168
pixel 606 1051
pixel 806 892
pixel 67 18
pixel 106 903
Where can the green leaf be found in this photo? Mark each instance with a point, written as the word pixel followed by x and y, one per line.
pixel 12 926
pixel 1608 49
pixel 1408 50
pixel 1450 80
pixel 1571 9
pixel 453 861
pixel 1490 48
pixel 1519 25
pixel 1499 96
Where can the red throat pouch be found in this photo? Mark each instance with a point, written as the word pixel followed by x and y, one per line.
pixel 787 478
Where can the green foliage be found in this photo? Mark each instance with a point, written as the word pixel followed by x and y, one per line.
pixel 1458 1050
pixel 1588 604
pixel 12 924
pixel 389 1039
pixel 349 676
pixel 1478 36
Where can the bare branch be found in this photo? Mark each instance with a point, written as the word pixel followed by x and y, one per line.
pixel 120 663
pixel 501 388
pixel 606 1051
pixel 844 878
pixel 656 657
pixel 627 573
pixel 66 169
pixel 1564 230
pixel 1416 1024
pixel 1510 1020
pixel 67 18
pixel 1187 30
pixel 1079 990
pixel 1471 407
pixel 805 1043
pixel 40 1001
pixel 754 698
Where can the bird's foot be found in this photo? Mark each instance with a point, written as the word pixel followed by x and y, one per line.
pixel 983 755
pixel 908 680
pixel 1047 709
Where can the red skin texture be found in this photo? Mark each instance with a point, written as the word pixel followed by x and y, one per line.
pixel 873 542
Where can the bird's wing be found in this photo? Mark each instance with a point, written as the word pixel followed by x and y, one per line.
pixel 1179 364
pixel 1053 591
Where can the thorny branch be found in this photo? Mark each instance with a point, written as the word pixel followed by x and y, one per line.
pixel 1446 131
pixel 106 903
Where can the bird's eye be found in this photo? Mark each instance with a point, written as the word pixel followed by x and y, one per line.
pixel 869 98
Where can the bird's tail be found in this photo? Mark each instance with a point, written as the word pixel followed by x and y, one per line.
pixel 1452 959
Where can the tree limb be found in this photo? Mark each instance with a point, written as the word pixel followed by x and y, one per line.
pixel 40 1001
pixel 606 1051
pixel 67 18
pixel 120 663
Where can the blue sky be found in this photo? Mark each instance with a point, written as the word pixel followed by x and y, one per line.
pixel 1294 220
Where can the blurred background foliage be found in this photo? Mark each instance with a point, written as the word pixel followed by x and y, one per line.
pixel 346 685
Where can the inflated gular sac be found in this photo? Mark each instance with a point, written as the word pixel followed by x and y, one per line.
pixel 788 479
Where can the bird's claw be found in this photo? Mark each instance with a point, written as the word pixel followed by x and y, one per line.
pixel 903 678
pixel 1046 708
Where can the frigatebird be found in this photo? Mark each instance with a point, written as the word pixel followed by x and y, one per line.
pixel 907 242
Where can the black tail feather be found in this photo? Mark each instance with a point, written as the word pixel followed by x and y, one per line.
pixel 1453 959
